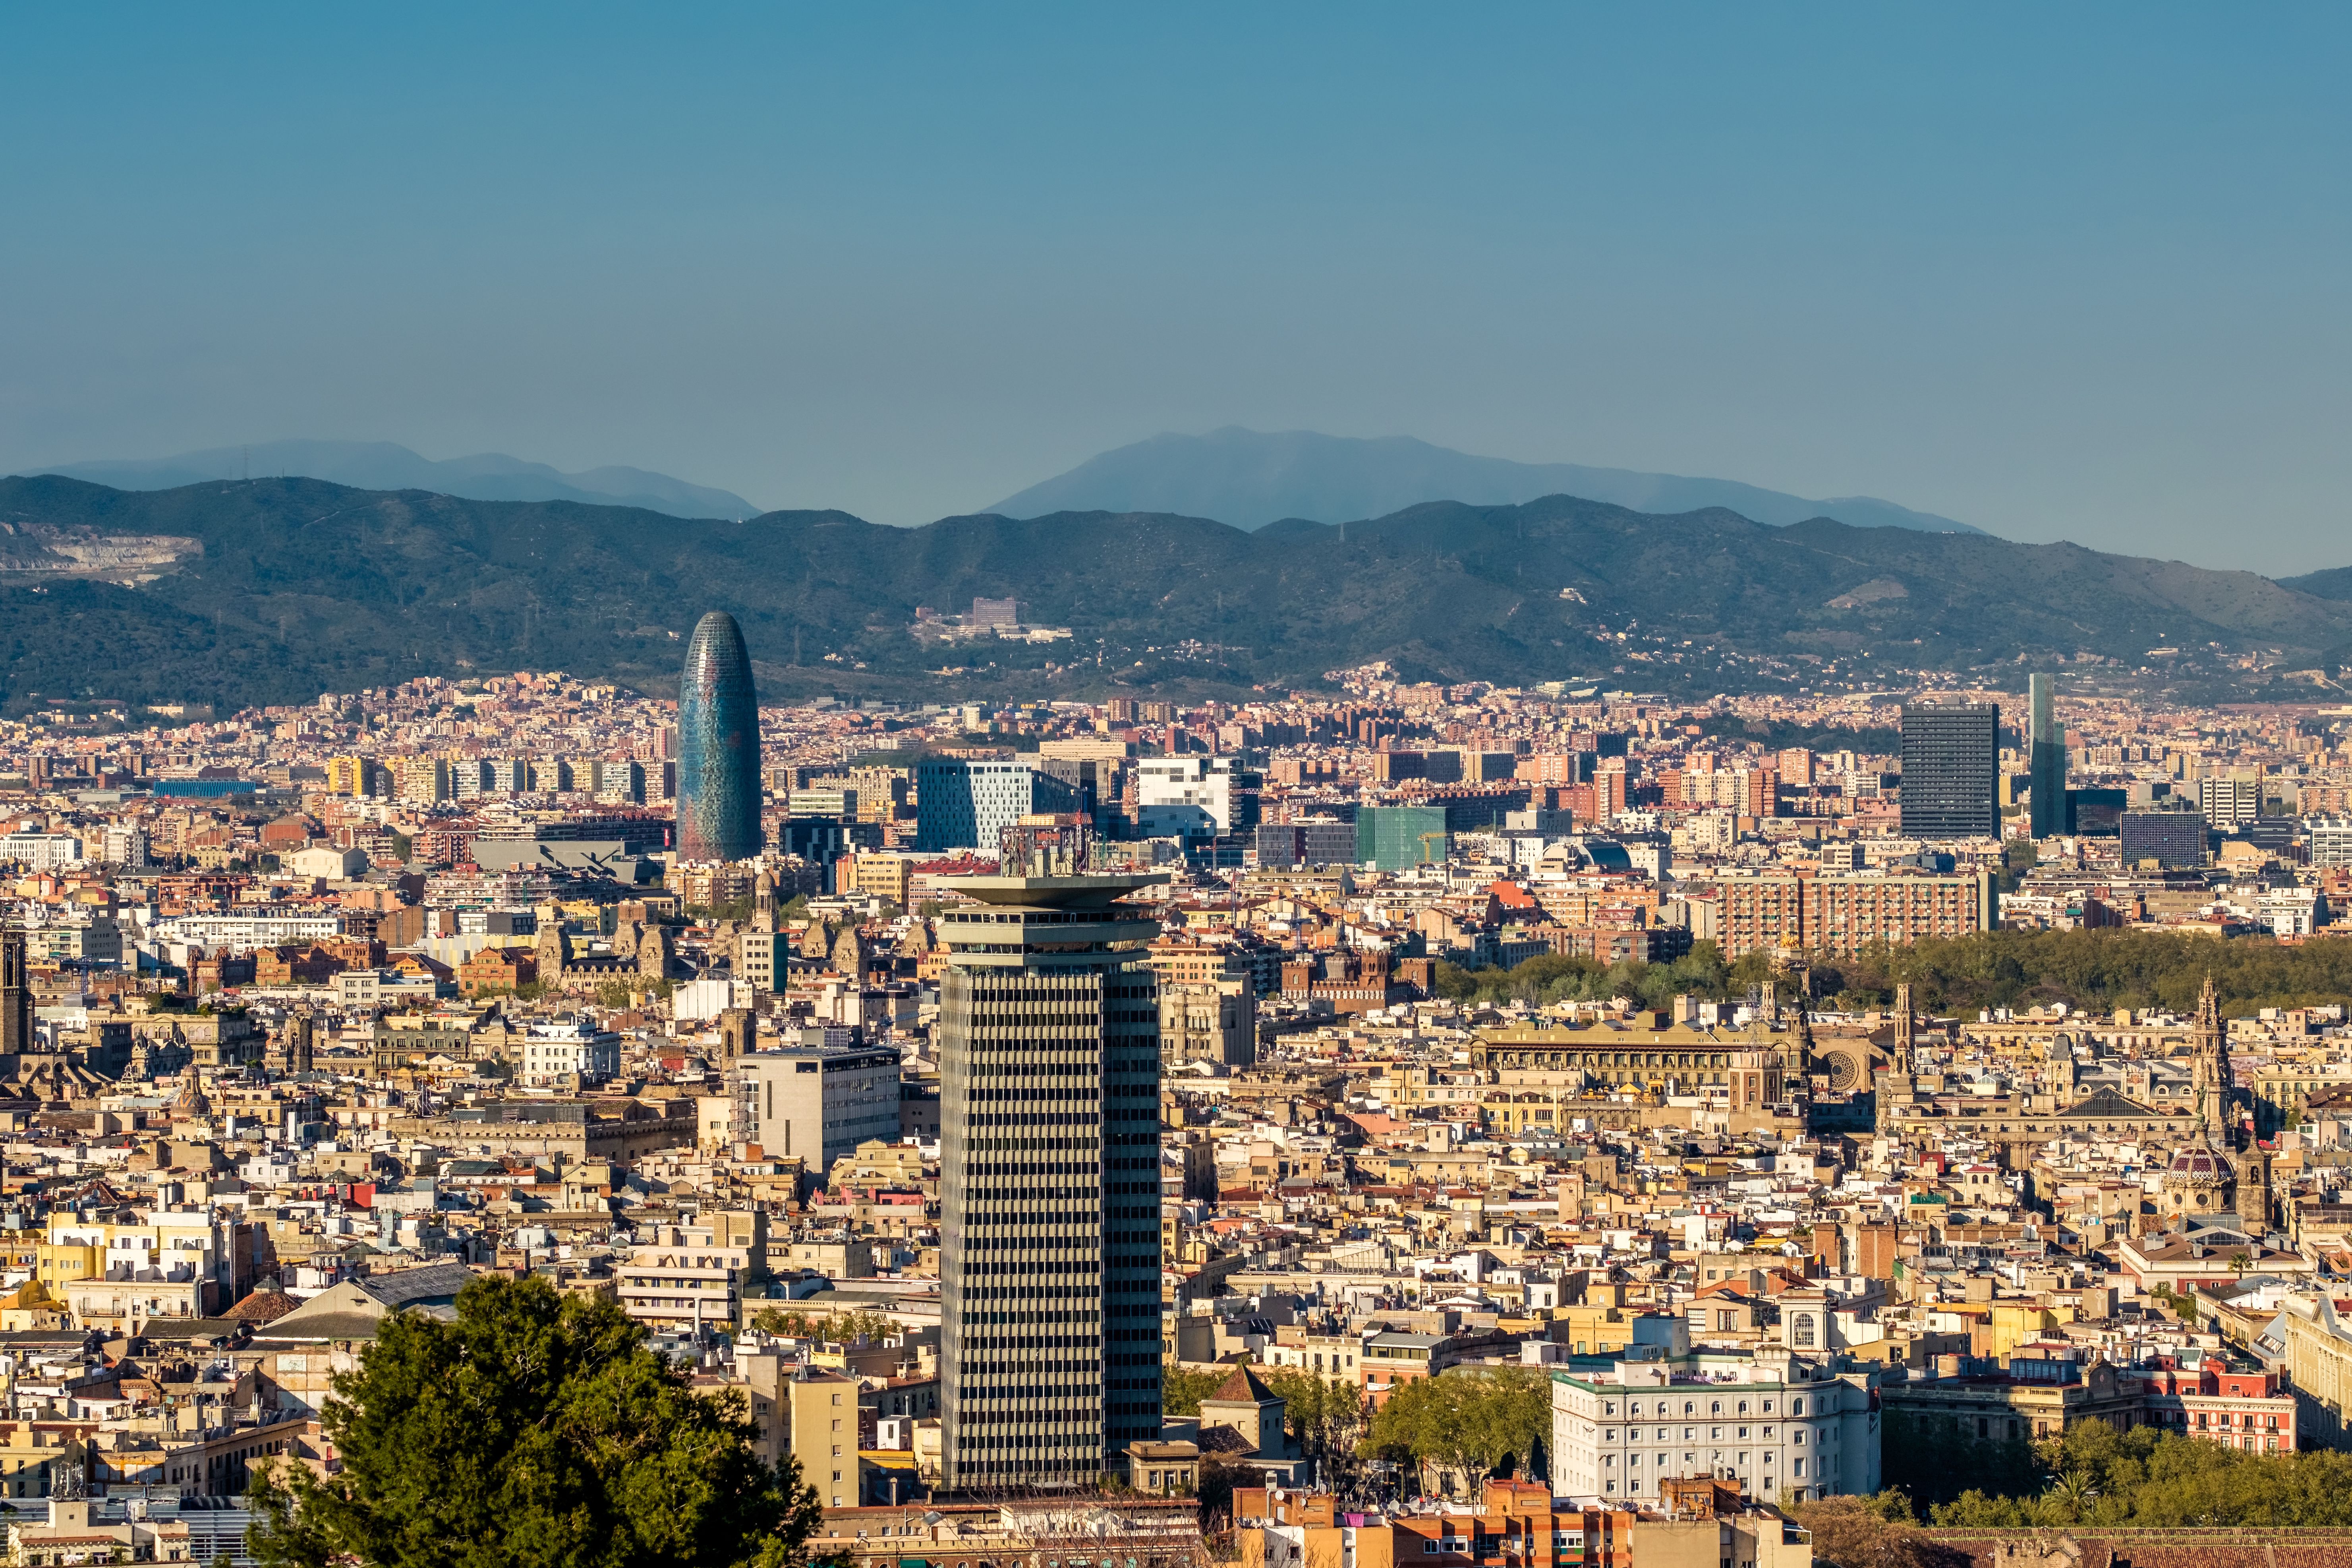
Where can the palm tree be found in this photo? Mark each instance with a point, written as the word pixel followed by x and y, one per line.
pixel 2070 1493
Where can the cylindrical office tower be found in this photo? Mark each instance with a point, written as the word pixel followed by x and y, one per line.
pixel 718 746
pixel 1049 1181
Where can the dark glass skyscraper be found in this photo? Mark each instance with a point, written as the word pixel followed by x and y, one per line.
pixel 718 746
pixel 2045 761
pixel 2168 837
pixel 1951 771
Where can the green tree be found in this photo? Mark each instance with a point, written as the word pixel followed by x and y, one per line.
pixel 839 1327
pixel 1180 1392
pixel 2155 1480
pixel 1218 1479
pixel 1932 1462
pixel 535 1429
pixel 1467 1423
pixel 1328 1419
pixel 2070 1496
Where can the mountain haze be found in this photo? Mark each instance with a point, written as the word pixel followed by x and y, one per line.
pixel 1250 478
pixel 382 465
pixel 2336 582
pixel 278 590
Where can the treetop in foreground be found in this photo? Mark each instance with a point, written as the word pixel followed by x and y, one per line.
pixel 536 1430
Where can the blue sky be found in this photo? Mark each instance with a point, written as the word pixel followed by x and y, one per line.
pixel 2060 272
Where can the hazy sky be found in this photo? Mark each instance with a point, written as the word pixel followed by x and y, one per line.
pixel 2062 272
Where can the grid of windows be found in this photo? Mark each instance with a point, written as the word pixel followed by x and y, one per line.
pixel 1050 1221
pixel 1951 771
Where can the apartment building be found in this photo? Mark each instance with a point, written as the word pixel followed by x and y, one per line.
pixel 1849 914
pixel 688 1276
pixel 1770 1420
pixel 818 1103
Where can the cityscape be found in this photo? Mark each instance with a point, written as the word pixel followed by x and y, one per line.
pixel 918 787
pixel 1082 1088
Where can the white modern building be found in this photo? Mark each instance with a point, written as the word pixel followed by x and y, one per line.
pixel 818 1103
pixel 327 862
pixel 126 846
pixel 689 1276
pixel 2292 912
pixel 1190 797
pixel 387 987
pixel 240 932
pixel 1773 1420
pixel 41 851
pixel 965 804
pixel 2331 840
pixel 2228 801
pixel 568 1051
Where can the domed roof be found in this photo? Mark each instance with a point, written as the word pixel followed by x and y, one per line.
pixel 2196 1162
pixel 190 1103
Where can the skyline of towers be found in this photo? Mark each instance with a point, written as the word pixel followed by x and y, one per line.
pixel 1049 1162
pixel 719 746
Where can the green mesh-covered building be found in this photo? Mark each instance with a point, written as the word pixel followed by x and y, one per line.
pixel 1397 837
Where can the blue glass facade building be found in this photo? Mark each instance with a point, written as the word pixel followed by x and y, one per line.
pixel 2045 761
pixel 718 746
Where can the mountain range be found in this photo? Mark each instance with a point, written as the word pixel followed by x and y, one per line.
pixel 1245 478
pixel 382 465
pixel 278 590
pixel 1250 478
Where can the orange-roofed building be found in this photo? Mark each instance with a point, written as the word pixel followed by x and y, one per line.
pixel 1519 1523
pixel 1513 899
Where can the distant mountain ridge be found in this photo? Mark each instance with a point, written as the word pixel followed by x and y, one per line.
pixel 384 466
pixel 2335 583
pixel 1250 478
pixel 279 590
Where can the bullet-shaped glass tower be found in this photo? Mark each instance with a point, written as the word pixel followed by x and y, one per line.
pixel 1049 1164
pixel 718 746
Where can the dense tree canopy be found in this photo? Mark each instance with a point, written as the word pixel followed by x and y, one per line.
pixel 1554 977
pixel 2098 1476
pixel 535 1431
pixel 1930 1464
pixel 1326 1419
pixel 2098 970
pixel 1470 1422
